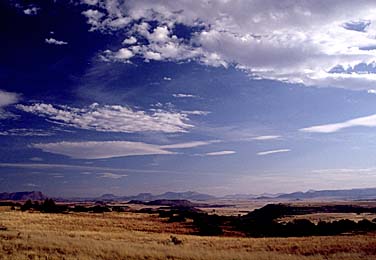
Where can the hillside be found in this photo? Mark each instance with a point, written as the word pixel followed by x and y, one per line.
pixel 24 195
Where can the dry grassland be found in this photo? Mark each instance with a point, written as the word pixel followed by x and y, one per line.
pixel 143 236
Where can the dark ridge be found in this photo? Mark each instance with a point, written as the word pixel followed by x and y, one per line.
pixel 24 195
pixel 368 193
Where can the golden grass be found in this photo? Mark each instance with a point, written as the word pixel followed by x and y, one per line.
pixel 330 217
pixel 142 236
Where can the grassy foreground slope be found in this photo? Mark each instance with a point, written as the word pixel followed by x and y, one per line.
pixel 143 236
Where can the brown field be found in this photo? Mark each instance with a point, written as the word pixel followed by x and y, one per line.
pixel 329 217
pixel 234 207
pixel 34 235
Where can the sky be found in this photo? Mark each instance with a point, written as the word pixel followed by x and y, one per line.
pixel 219 97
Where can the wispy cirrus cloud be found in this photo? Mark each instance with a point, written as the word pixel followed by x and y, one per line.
pixel 113 118
pixel 110 175
pixel 273 151
pixel 188 144
pixel 111 149
pixel 31 185
pixel 26 132
pixel 182 95
pixel 100 150
pixel 36 159
pixel 219 153
pixel 266 137
pixel 72 167
pixel 366 121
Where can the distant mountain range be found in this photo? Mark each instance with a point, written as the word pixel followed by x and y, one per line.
pixel 351 194
pixel 24 195
pixel 189 195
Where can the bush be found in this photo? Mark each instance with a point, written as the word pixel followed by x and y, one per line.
pixel 208 225
pixel 27 205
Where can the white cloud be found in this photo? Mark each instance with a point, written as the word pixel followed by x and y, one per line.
pixel 56 175
pixel 273 151
pixel 181 95
pixel 345 170
pixel 371 91
pixel 266 137
pixel 220 153
pixel 105 21
pixel 36 159
pixel 367 121
pixel 86 173
pixel 151 55
pixel 196 112
pixel 94 18
pixel 131 40
pixel 112 118
pixel 31 185
pixel 112 175
pixel 65 167
pixel 26 132
pixel 6 99
pixel 100 150
pixel 299 42
pixel 111 149
pixel 167 78
pixel 123 54
pixel 188 145
pixel 31 11
pixel 55 42
pixel 160 34
pixel 91 2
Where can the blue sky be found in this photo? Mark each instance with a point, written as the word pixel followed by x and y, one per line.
pixel 220 97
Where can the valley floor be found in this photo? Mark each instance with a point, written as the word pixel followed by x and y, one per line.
pixel 34 235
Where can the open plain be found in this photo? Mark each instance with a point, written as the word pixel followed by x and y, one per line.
pixel 130 235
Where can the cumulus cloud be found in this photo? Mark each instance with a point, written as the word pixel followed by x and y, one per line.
pixel 130 40
pixel 299 42
pixel 220 153
pixel 90 2
pixel 94 18
pixel 367 121
pixel 110 149
pixel 6 99
pixel 31 11
pixel 105 21
pixel 112 118
pixel 55 42
pixel 273 151
pixel 122 54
